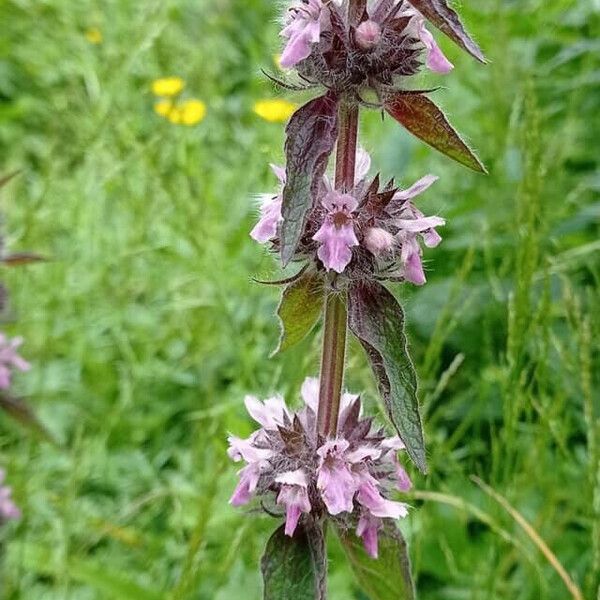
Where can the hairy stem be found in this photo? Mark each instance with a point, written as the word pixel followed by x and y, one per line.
pixel 336 316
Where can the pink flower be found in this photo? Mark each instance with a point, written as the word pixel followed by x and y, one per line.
pixel 367 529
pixel 335 480
pixel 294 495
pixel 8 509
pixel 368 34
pixel 270 212
pixel 288 460
pixel 270 414
pixel 336 234
pixel 410 222
pixel 413 221
pixel 378 241
pixel 307 19
pixel 10 360
pixel 246 487
pixel 436 61
pixel 370 498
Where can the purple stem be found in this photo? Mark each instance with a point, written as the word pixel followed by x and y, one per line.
pixel 336 315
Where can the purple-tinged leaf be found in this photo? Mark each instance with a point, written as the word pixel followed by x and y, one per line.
pixel 357 12
pixel 377 320
pixel 424 119
pixel 21 258
pixel 300 309
pixel 311 135
pixel 19 410
pixel 438 13
pixel 382 9
pixel 295 568
pixel 389 576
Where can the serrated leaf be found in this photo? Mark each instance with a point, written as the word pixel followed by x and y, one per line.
pixel 295 568
pixel 438 13
pixel 299 309
pixel 310 138
pixel 389 576
pixel 424 119
pixel 377 320
pixel 20 411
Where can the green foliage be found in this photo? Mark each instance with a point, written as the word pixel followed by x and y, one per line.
pixel 295 568
pixel 145 332
pixel 299 310
pixel 377 320
pixel 310 138
pixel 389 576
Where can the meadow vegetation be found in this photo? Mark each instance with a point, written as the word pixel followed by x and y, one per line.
pixel 145 331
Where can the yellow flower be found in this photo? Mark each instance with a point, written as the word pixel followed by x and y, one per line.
pixel 189 112
pixel 163 108
pixel 167 86
pixel 275 111
pixel 93 35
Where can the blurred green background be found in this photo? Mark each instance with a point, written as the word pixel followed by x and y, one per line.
pixel 145 330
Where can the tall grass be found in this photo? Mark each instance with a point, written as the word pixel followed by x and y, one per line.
pixel 145 331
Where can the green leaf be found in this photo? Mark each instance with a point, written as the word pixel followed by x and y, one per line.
pixel 446 20
pixel 377 320
pixel 424 119
pixel 299 310
pixel 310 138
pixel 295 568
pixel 387 577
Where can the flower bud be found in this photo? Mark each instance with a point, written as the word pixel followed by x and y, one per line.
pixel 368 35
pixel 377 240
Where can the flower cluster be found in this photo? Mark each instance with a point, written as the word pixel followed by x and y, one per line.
pixel 8 509
pixel 10 360
pixel 348 477
pixel 366 231
pixel 329 45
pixel 180 112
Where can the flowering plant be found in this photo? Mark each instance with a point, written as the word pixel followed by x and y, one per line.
pixel 349 233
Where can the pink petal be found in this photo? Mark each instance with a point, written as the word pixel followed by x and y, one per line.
pixel 367 529
pixel 269 414
pixel 335 481
pixel 247 485
pixel 436 61
pixel 404 483
pixel 310 393
pixel 431 238
pixel 419 225
pixel 335 202
pixel 335 252
pixel 378 506
pixel 244 449
pixel 270 217
pixel 417 188
pixel 413 269
pixel 378 241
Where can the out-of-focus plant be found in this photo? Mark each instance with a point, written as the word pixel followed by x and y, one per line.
pixel 348 232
